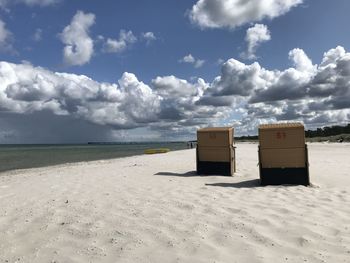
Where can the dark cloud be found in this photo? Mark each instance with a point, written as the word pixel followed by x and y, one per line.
pixel 170 112
pixel 339 103
pixel 46 127
pixel 217 101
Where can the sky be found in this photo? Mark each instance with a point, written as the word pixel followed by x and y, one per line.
pixel 130 70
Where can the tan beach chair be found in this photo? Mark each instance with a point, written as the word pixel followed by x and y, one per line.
pixel 283 154
pixel 215 151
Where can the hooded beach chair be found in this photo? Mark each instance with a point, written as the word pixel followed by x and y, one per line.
pixel 283 154
pixel 215 151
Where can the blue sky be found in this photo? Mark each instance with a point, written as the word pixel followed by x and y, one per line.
pixel 185 72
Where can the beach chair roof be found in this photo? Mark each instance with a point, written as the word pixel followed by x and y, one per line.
pixel 210 129
pixel 281 125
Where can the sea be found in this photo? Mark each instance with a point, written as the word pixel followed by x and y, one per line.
pixel 13 157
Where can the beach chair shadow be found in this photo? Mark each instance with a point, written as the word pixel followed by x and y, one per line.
pixel 245 184
pixel 187 174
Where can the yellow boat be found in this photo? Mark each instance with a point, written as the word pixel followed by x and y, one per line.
pixel 159 150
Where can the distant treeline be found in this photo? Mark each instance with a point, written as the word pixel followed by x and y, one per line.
pixel 319 132
pixel 328 131
pixel 247 138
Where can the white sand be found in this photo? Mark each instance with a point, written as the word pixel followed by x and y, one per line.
pixel 155 209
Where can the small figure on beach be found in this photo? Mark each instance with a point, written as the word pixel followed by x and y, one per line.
pixel 189 145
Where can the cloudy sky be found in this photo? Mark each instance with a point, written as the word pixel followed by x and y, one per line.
pixel 131 70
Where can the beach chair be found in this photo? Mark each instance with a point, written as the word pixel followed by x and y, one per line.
pixel 215 151
pixel 283 154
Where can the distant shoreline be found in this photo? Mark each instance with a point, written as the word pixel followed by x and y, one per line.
pixel 333 138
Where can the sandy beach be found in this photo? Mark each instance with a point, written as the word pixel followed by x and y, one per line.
pixel 154 208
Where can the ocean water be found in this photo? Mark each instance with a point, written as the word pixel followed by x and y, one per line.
pixel 30 156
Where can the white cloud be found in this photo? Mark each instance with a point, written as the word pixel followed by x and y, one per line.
pixel 126 38
pixel 260 84
pixel 188 59
pixel 306 92
pixel 243 94
pixel 197 63
pixel 301 61
pixel 180 109
pixel 171 86
pixel 26 89
pixel 256 35
pixel 332 55
pixel 149 37
pixel 5 38
pixel 37 36
pixel 233 13
pixel 239 79
pixel 79 45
